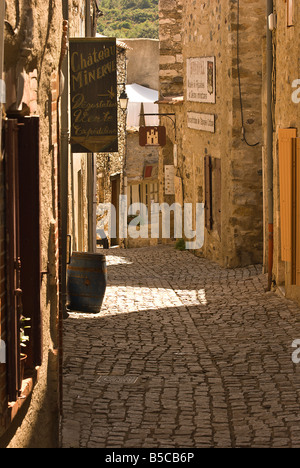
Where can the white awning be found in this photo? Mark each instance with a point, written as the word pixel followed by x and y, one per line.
pixel 137 93
pixel 140 95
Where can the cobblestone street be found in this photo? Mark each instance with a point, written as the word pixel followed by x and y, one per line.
pixel 183 354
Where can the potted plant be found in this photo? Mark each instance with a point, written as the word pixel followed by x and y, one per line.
pixel 23 342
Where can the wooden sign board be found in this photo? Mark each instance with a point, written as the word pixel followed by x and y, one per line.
pixel 94 102
pixel 153 136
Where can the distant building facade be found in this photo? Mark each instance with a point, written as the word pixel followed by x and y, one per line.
pixel 211 58
pixel 133 171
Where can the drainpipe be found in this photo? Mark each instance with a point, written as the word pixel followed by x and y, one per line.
pixel 270 145
pixel 64 160
pixel 2 86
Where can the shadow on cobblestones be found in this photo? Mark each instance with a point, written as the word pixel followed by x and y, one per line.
pixel 209 353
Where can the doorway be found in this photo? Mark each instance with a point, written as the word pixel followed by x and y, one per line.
pixel 115 196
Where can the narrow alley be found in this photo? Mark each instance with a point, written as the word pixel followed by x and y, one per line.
pixel 183 354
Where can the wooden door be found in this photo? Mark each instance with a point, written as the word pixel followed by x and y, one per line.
pixel 30 233
pixel 208 192
pixel 23 244
pixel 286 153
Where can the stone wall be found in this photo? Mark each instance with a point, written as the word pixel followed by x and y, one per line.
pixel 143 62
pixel 211 31
pixel 78 162
pixel 170 36
pixel 110 164
pixel 33 37
pixel 286 52
pixel 138 158
pixel 32 58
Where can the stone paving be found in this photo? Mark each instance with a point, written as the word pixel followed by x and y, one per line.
pixel 183 354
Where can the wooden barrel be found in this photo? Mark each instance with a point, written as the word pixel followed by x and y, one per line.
pixel 86 282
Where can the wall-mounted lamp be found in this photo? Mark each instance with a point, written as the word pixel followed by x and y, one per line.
pixel 124 99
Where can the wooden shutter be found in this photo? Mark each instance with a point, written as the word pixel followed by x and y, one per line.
pixel 30 241
pixel 13 258
pixel 217 195
pixel 208 192
pixel 286 156
pixel 296 214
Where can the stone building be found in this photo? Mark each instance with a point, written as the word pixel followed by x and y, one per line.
pixel 33 211
pixel 142 161
pixel 211 59
pixel 281 162
pixel 110 166
pixel 133 171
pixel 143 62
pixel 82 170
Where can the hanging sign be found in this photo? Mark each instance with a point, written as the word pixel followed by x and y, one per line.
pixel 93 89
pixel 153 136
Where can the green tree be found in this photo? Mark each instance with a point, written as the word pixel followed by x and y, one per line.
pixel 145 4
pixel 129 18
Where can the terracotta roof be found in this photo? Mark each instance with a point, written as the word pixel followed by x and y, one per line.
pixel 122 45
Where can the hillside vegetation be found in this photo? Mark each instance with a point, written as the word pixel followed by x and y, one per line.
pixel 129 18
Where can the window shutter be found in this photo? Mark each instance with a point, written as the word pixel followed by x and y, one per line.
pixel 30 241
pixel 13 258
pixel 286 155
pixel 217 195
pixel 296 214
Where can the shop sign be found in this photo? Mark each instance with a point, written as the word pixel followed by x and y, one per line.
pixel 93 89
pixel 153 136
